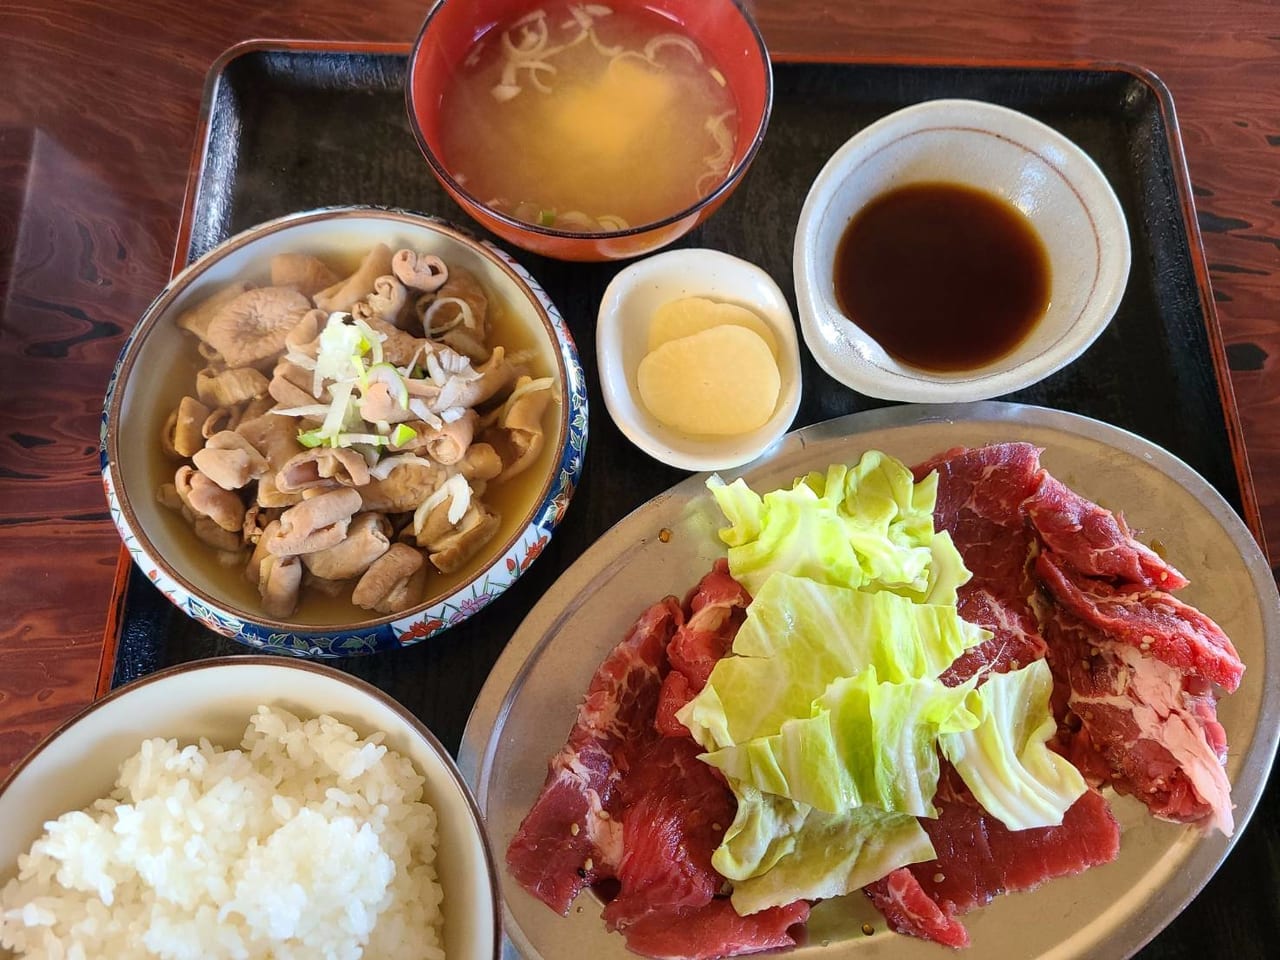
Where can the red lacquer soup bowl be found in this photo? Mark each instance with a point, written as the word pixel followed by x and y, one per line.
pixel 722 29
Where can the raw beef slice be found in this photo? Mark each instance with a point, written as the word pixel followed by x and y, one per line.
pixel 980 497
pixel 570 837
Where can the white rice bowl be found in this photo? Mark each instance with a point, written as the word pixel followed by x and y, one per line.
pixel 307 842
pixel 213 700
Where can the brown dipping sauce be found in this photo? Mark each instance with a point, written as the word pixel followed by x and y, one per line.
pixel 943 276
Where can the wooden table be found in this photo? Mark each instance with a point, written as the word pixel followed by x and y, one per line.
pixel 98 105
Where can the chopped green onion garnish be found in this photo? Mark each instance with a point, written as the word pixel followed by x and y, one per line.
pixel 310 438
pixel 402 434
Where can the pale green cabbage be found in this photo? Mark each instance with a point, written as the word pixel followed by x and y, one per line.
pixel 865 743
pixel 779 851
pixel 800 635
pixel 1004 760
pixel 869 526
pixel 827 717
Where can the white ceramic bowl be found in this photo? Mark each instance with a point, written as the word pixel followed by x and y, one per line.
pixel 78 763
pixel 622 338
pixel 157 367
pixel 1000 151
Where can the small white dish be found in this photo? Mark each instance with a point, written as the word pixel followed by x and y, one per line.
pixel 622 340
pixel 1002 152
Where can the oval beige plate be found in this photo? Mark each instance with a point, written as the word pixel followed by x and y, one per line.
pixel 529 703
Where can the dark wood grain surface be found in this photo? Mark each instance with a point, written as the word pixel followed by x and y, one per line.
pixel 98 109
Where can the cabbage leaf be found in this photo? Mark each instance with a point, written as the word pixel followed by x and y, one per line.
pixel 866 743
pixel 1004 759
pixel 799 636
pixel 827 717
pixel 778 851
pixel 869 526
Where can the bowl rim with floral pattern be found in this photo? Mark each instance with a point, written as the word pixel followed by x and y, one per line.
pixel 504 562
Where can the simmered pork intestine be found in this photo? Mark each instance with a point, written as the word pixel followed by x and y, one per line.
pixel 252 327
pixel 457 315
pixel 222 387
pixel 515 430
pixel 182 435
pixel 385 302
pixel 305 273
pixel 418 271
pixel 196 320
pixel 336 440
pixel 346 293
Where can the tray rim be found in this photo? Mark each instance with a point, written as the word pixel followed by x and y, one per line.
pixel 1250 511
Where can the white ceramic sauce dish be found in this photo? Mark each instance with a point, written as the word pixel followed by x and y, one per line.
pixel 622 333
pixel 214 699
pixel 1027 164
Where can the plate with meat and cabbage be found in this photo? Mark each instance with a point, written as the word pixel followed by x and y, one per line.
pixel 985 676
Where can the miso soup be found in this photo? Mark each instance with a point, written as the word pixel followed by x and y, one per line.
pixel 582 118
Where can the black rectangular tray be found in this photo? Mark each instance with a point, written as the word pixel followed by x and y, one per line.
pixel 289 127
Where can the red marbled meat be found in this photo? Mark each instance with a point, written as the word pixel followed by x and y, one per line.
pixel 717 607
pixel 1054 574
pixel 979 858
pixel 715 930
pixel 912 912
pixel 676 812
pixel 1095 541
pixel 1152 621
pixel 570 837
pixel 566 839
pixel 623 803
pixel 1124 719
pixel 1154 729
pixel 677 690
pixel 980 497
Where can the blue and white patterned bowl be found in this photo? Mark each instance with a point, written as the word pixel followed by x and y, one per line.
pixel 157 367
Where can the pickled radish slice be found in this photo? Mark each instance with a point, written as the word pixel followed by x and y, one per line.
pixel 721 381
pixel 690 315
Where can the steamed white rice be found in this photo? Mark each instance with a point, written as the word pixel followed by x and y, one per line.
pixel 308 842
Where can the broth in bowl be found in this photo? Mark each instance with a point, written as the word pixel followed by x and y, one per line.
pixel 587 118
pixel 528 506
pixel 358 436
